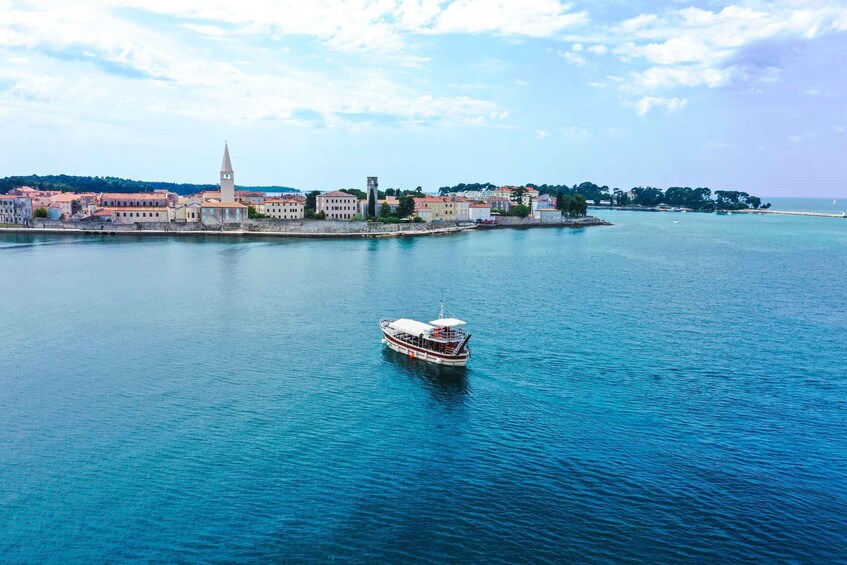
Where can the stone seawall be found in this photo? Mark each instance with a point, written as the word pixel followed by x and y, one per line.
pixel 290 228
pixel 515 222
pixel 293 228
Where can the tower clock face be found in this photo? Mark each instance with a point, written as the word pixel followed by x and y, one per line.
pixel 226 176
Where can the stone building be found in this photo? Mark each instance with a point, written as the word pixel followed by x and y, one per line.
pixel 291 208
pixel 337 205
pixel 15 209
pixel 223 209
pixel 373 197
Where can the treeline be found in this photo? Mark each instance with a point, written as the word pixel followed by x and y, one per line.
pixel 702 198
pixel 72 183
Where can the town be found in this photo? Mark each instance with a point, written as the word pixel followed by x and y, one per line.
pixel 228 208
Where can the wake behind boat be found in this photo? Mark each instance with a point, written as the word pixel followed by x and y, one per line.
pixel 441 341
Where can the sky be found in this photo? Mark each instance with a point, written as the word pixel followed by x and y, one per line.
pixel 320 94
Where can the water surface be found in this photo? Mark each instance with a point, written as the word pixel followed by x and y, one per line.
pixel 648 391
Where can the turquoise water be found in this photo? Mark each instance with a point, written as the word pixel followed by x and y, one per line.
pixel 648 391
pixel 824 205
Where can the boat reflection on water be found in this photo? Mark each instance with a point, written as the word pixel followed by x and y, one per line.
pixel 443 383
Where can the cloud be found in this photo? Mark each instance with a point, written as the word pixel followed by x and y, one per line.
pixel 542 134
pixel 694 47
pixel 644 105
pixel 529 18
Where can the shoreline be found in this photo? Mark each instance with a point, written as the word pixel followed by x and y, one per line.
pixel 135 229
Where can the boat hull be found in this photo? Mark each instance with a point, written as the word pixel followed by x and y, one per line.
pixel 414 352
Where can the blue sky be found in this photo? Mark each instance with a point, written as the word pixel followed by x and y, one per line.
pixel 730 95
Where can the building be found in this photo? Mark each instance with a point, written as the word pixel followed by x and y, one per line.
pixel 290 208
pixel 68 203
pixel 219 213
pixel 15 209
pixel 337 205
pixel 462 208
pixel 529 196
pixel 373 197
pixel 139 214
pixel 249 198
pixel 479 212
pixel 500 204
pixel 134 200
pixel 227 178
pixel 220 208
pixel 441 208
pixel 187 209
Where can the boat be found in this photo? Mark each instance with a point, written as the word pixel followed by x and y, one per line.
pixel 442 341
pixel 676 221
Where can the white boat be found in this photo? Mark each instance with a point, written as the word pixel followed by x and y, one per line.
pixel 442 341
pixel 676 221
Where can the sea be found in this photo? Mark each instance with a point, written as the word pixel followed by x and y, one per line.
pixel 649 391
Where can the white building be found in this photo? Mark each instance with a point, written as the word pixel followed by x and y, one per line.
pixel 337 205
pixel 292 208
pixel 479 212
pixel 15 209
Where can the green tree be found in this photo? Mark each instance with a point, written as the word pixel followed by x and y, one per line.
pixel 406 207
pixel 517 194
pixel 384 210
pixel 253 214
pixel 40 213
pixel 519 210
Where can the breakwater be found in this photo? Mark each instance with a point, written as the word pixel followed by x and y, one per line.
pixel 792 213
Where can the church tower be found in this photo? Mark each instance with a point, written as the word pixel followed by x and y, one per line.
pixel 227 178
pixel 373 196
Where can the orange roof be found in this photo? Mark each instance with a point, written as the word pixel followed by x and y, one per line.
pixel 336 194
pixel 432 200
pixel 289 200
pixel 208 204
pixel 133 195
pixel 66 197
pixel 480 205
pixel 137 208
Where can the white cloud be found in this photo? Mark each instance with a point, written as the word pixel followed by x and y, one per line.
pixel 644 105
pixel 530 18
pixel 695 47
pixel 542 134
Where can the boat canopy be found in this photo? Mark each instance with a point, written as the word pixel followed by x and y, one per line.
pixel 447 322
pixel 411 327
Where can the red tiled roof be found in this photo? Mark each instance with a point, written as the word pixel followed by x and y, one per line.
pixel 336 194
pixel 132 196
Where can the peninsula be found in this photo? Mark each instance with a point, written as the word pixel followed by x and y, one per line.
pixel 222 209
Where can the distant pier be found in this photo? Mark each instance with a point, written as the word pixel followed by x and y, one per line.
pixel 791 213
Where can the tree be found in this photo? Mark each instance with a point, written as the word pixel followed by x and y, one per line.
pixel 384 210
pixel 406 207
pixel 253 214
pixel 520 211
pixel 578 206
pixel 311 202
pixel 389 192
pixel 40 213
pixel 517 194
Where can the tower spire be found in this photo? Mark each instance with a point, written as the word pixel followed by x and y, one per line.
pixel 227 178
pixel 226 166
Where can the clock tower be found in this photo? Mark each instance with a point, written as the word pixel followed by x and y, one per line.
pixel 227 178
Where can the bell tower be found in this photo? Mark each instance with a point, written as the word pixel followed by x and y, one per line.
pixel 227 178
